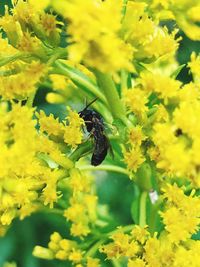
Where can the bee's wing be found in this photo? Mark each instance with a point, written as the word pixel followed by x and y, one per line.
pixel 101 135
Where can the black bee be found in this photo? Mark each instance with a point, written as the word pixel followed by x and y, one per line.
pixel 95 126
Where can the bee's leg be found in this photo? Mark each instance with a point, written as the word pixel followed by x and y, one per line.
pixel 84 128
pixel 89 135
pixel 111 127
pixel 86 153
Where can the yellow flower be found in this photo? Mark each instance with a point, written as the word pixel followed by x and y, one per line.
pixel 133 158
pixel 140 234
pixel 188 256
pixel 189 92
pixel 79 229
pixel 79 181
pixel 136 136
pixel 158 252
pixel 50 125
pixel 102 46
pixel 22 84
pixel 136 18
pixel 136 263
pixel 75 256
pixel 186 117
pixel 55 237
pixel 77 211
pixel 8 216
pixel 176 159
pixel 194 64
pixel 90 202
pixel 92 262
pixel 61 248
pixel 43 253
pixel 82 209
pixel 161 43
pixel 122 245
pixel 136 100
pixel 61 255
pixel 161 114
pixel 73 134
pixel 38 5
pixel 164 86
pixel 173 219
pixel 59 81
pixel 11 27
pixel 181 211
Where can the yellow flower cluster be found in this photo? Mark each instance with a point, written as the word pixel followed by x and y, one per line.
pixel 125 245
pixel 181 211
pixel 64 249
pixel 184 12
pixel 176 138
pixel 82 204
pixel 119 53
pixel 23 82
pixel 143 250
pixel 26 54
pixel 151 41
pixel 71 134
pixel 26 180
pixel 102 46
pixel 133 155
pixel 165 87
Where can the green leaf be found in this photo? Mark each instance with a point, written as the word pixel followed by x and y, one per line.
pixel 177 71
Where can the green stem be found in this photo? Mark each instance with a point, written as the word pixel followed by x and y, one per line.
pixel 108 88
pixel 142 220
pixel 12 58
pixel 78 78
pixel 116 263
pixel 96 246
pixel 124 8
pixel 152 111
pixel 29 102
pixel 124 78
pixel 80 151
pixel 110 168
pixel 154 217
pixel 54 211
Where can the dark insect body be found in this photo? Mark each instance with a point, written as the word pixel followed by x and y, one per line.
pixel 95 126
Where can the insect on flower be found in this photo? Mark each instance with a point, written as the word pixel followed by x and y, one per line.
pixel 95 126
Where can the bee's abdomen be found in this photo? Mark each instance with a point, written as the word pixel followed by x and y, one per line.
pixel 98 158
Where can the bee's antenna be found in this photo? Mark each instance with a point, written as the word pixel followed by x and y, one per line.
pixel 86 101
pixel 91 103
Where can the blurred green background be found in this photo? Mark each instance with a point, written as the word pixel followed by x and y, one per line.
pixel 114 190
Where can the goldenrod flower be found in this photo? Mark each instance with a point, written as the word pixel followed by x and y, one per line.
pixel 133 158
pixel 136 100
pixel 121 54
pixel 164 86
pixel 50 125
pixel 92 262
pixel 73 134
